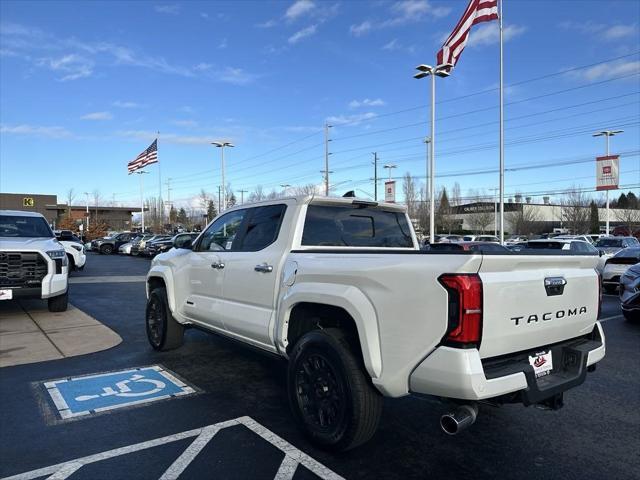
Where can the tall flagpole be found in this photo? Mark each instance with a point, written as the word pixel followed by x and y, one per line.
pixel 501 129
pixel 160 204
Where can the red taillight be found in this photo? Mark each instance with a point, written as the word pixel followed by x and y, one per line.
pixel 465 309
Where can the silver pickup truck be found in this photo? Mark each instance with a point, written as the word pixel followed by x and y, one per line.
pixel 340 288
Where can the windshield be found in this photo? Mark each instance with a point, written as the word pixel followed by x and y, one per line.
pixel 609 242
pixel 32 227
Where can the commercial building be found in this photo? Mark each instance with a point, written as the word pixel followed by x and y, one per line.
pixel 116 218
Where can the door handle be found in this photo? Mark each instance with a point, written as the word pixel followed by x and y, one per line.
pixel 217 265
pixel 264 268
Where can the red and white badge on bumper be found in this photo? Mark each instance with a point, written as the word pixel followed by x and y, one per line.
pixel 542 363
pixel 6 294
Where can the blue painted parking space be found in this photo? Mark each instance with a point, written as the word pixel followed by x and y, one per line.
pixel 77 396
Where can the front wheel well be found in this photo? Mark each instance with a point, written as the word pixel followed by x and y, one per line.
pixel 155 282
pixel 307 316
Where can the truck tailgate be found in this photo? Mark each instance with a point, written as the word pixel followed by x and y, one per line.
pixel 531 301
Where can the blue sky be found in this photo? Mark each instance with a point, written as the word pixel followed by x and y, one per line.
pixel 84 86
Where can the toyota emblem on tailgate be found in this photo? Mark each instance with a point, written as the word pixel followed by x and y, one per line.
pixel 554 285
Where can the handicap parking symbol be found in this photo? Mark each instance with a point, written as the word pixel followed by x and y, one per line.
pixel 76 396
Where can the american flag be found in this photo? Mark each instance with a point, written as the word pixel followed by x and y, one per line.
pixel 477 11
pixel 149 156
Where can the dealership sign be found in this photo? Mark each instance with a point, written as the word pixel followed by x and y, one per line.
pixel 390 191
pixel 607 172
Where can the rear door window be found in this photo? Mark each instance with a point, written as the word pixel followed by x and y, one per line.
pixel 263 226
pixel 355 226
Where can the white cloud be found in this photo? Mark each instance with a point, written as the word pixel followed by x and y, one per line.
pixel 605 31
pixel 97 116
pixel 185 123
pixel 606 70
pixel 367 102
pixel 71 66
pixel 36 131
pixel 121 104
pixel 267 24
pixel 204 15
pixel 360 29
pixel 490 34
pixel 223 44
pixel 173 9
pixel 203 67
pixel 299 9
pixel 354 119
pixel 167 137
pixel 236 76
pixel 615 32
pixel 392 46
pixel 187 109
pixel 305 32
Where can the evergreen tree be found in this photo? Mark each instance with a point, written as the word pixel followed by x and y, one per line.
pixel 632 201
pixel 173 214
pixel 594 218
pixel 622 201
pixel 182 216
pixel 211 210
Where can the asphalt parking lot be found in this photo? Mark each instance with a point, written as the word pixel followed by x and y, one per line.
pixel 235 405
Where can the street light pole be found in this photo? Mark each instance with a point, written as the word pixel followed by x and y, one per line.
pixel 142 172
pixel 284 187
pixel 606 134
pixel 425 71
pixel 87 194
pixel 390 166
pixel 375 176
pixel 326 158
pixel 221 146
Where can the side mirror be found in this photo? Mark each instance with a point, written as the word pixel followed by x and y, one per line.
pixel 600 252
pixel 183 243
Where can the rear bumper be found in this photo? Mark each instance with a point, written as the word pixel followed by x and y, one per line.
pixel 462 374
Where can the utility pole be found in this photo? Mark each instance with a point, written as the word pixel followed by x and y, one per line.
pixel 219 211
pixel 242 192
pixel 87 194
pixel 141 172
pixel 606 134
pixel 326 158
pixel 375 176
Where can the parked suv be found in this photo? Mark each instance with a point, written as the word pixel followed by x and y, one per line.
pixel 33 264
pixel 109 245
pixel 74 248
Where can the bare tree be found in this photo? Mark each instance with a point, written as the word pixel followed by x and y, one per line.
pixel 423 209
pixel 308 189
pixel 629 217
pixel 410 194
pixel 257 194
pixel 574 211
pixel 70 196
pixel 455 198
pixel 203 199
pixel 523 221
pixel 97 198
pixel 480 215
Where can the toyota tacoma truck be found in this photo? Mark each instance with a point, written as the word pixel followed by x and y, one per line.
pixel 340 288
pixel 33 264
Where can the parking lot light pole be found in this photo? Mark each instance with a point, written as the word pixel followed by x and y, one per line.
pixel 284 188
pixel 390 166
pixel 87 194
pixel 141 172
pixel 443 70
pixel 221 146
pixel 606 134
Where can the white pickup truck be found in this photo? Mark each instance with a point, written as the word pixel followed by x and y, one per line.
pixel 340 288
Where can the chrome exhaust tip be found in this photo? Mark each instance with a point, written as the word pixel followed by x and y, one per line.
pixel 453 423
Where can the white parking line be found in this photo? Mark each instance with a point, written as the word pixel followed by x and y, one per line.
pixel 109 279
pixel 292 458
pixel 610 318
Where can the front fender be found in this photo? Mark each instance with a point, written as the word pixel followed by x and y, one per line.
pixel 349 298
pixel 163 273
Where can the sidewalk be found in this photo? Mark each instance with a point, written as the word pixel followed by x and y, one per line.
pixel 29 333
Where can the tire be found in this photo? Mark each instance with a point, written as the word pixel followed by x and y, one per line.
pixel 59 303
pixel 339 409
pixel 72 263
pixel 609 289
pixel 106 249
pixel 631 315
pixel 163 332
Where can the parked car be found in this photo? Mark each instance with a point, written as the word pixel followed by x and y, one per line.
pixel 484 247
pixel 615 244
pixel 161 246
pixel 340 289
pixel 630 293
pixel 125 249
pixel 584 238
pixel 138 243
pixel 149 245
pixel 615 267
pixel 567 245
pixel 626 232
pixel 73 247
pixel 512 240
pixel 450 238
pixel 481 238
pixel 33 264
pixel 111 244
